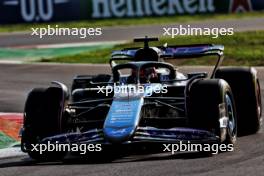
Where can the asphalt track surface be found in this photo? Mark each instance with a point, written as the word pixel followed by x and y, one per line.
pixel 17 79
pixel 126 33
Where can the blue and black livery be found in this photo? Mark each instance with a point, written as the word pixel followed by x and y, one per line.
pixel 195 107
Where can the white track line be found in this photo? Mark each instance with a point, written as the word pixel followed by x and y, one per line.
pixel 11 62
pixel 5 114
pixel 11 152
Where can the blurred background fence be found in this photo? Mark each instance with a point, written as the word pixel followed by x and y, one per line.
pixel 34 11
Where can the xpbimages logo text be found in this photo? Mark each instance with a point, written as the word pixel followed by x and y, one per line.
pixel 82 33
pixel 58 147
pixel 131 89
pixel 188 30
pixel 192 147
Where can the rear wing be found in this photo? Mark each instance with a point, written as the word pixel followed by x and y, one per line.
pixel 173 52
pixel 170 52
pixel 190 51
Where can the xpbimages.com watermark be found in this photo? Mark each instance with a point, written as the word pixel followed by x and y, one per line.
pixel 196 31
pixel 191 147
pixel 62 31
pixel 58 147
pixel 123 89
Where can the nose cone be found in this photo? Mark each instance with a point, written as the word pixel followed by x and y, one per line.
pixel 122 119
pixel 117 135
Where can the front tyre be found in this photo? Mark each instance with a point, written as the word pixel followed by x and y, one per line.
pixel 42 118
pixel 211 107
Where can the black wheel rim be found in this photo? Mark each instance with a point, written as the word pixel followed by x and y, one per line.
pixel 259 103
pixel 231 116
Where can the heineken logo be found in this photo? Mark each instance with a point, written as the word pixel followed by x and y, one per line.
pixel 138 8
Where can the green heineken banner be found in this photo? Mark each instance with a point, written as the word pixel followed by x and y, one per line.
pixel 19 11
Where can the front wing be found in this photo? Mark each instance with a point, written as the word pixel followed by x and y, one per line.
pixel 142 134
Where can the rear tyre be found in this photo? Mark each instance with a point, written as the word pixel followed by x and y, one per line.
pixel 246 90
pixel 42 119
pixel 206 99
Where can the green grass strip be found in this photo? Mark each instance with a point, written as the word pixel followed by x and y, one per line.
pixel 32 54
pixel 243 48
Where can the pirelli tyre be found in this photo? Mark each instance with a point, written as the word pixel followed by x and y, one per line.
pixel 211 107
pixel 247 94
pixel 42 119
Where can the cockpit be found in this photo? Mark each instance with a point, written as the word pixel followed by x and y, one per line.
pixel 143 72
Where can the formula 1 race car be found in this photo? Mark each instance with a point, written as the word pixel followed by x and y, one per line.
pixel 146 101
